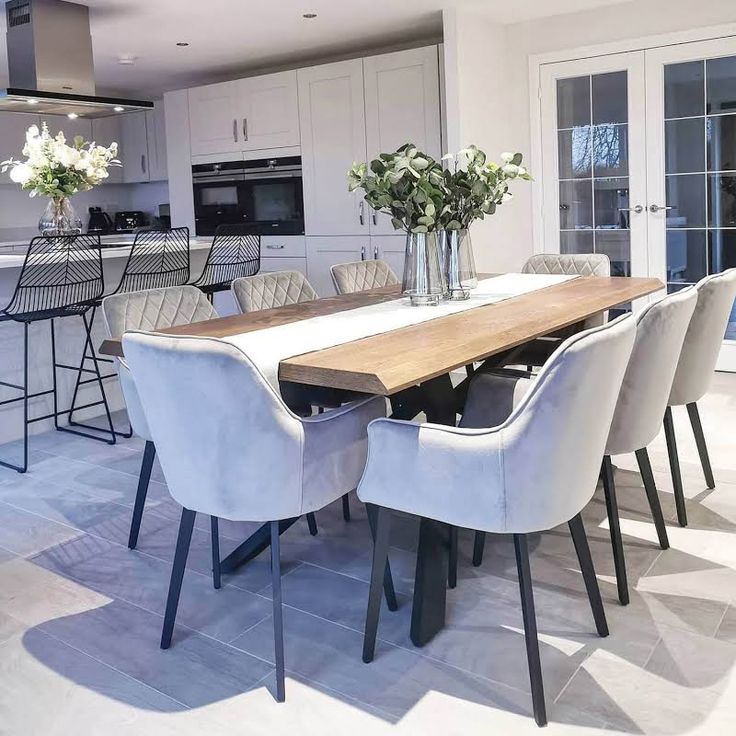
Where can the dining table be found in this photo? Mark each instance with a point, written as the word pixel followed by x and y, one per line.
pixel 412 366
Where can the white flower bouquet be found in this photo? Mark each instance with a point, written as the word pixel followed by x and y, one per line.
pixel 57 170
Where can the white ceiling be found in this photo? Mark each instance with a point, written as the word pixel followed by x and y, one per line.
pixel 231 36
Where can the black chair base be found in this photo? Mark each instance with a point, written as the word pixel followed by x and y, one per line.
pixel 669 434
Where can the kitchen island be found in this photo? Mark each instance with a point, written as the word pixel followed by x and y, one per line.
pixel 69 338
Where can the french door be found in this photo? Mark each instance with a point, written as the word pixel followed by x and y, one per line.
pixel 639 162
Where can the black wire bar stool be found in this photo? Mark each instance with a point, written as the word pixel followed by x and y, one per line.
pixel 61 276
pixel 158 258
pixel 234 253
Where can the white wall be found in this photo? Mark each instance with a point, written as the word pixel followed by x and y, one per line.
pixel 495 65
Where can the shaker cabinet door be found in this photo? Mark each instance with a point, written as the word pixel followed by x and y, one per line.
pixel 215 118
pixel 13 127
pixel 332 120
pixel 390 248
pixel 402 105
pixel 156 129
pixel 134 147
pixel 270 111
pixel 105 131
pixel 325 252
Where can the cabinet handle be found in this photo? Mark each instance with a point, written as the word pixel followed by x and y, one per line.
pixel 245 129
pixel 375 217
pixel 143 163
pixel 361 212
pixel 362 252
pixel 235 130
pixel 275 247
pixel 375 252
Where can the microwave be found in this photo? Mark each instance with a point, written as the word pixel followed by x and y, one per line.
pixel 265 195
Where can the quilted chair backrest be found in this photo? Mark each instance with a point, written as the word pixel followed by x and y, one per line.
pixel 155 309
pixel 271 290
pixel 362 276
pixel 572 264
pixel 704 337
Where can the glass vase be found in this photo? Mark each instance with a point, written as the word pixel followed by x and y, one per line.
pixel 458 264
pixel 423 281
pixel 59 218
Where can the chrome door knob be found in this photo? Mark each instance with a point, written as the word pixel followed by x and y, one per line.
pixel 637 210
pixel 654 208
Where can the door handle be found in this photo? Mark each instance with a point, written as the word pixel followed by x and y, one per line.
pixel 375 217
pixel 235 130
pixel 362 252
pixel 245 129
pixel 637 210
pixel 654 208
pixel 361 213
pixel 275 247
pixel 375 252
pixel 143 163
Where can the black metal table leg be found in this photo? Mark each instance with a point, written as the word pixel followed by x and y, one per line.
pixel 253 546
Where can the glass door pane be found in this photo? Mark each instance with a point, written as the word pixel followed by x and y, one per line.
pixel 691 139
pixel 594 159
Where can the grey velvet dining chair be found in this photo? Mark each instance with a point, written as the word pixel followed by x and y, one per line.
pixel 535 470
pixel 695 370
pixel 362 276
pixel 248 457
pixel 151 309
pixel 660 331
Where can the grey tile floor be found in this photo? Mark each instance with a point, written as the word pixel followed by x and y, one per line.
pixel 81 615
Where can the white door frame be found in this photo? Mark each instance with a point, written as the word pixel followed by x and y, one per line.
pixel 633 63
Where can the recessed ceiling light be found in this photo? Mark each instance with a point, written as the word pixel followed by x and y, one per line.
pixel 72 116
pixel 309 15
pixel 118 108
pixel 182 43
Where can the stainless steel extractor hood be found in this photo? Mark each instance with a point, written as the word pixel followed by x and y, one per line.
pixel 50 66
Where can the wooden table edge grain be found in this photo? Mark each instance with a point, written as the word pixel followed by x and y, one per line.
pixel 392 361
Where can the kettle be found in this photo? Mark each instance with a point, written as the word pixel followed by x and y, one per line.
pixel 99 221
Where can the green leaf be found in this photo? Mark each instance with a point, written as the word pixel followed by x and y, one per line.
pixel 517 159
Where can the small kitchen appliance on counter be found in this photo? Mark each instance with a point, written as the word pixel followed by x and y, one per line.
pixel 99 221
pixel 129 221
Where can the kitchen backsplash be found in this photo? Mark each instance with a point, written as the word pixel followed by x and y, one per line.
pixel 19 213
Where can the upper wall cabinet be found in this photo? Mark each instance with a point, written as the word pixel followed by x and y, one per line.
pixel 104 132
pixel 402 105
pixel 214 118
pixel 134 147
pixel 332 118
pixel 70 128
pixel 156 136
pixel 270 111
pixel 246 115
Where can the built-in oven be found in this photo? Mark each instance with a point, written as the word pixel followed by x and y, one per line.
pixel 265 195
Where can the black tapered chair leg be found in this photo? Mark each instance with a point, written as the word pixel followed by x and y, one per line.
pixel 388 580
pixel 312 523
pixel 647 476
pixel 530 628
pixel 619 560
pixel 278 620
pixel 382 529
pixel 452 565
pixel 694 414
pixel 346 507
pixel 149 453
pixel 479 544
pixel 215 534
pixel 177 574
pixel 669 434
pixel 580 540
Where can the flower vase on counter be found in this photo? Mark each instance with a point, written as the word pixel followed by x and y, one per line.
pixel 59 218
pixel 57 170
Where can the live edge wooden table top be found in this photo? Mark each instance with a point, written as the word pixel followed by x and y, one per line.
pixel 391 361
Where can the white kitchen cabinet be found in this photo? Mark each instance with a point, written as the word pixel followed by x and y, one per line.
pixel 269 111
pixel 270 265
pixel 324 252
pixel 105 131
pixel 402 105
pixel 13 127
pixel 156 137
pixel 134 147
pixel 215 118
pixel 332 120
pixel 390 248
